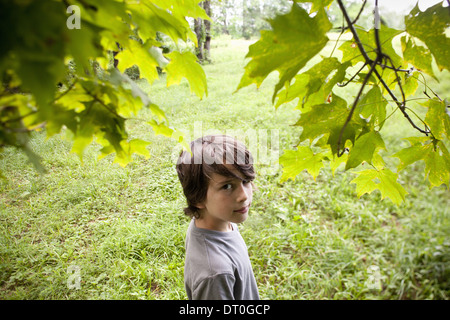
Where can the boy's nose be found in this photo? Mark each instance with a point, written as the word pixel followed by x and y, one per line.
pixel 242 196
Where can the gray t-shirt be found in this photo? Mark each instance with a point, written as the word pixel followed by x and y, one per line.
pixel 217 266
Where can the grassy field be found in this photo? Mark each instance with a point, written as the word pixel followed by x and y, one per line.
pixel 120 231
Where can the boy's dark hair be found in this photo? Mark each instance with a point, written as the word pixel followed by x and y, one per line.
pixel 209 155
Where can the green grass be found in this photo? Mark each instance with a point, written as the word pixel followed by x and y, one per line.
pixel 124 227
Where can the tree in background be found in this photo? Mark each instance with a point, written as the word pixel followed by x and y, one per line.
pixel 245 18
pixel 202 28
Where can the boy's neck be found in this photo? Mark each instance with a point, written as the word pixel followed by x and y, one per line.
pixel 213 224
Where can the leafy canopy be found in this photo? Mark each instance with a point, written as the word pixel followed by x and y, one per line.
pixel 336 131
pixel 53 76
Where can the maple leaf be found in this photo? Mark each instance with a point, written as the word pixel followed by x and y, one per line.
pixel 294 39
pixel 433 153
pixel 384 180
pixel 295 161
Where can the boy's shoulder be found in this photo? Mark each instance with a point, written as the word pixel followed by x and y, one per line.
pixel 214 252
pixel 217 265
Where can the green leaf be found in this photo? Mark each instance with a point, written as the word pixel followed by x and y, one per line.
pixel 322 118
pixel 190 8
pixel 312 87
pixel 328 119
pixel 294 39
pixel 338 77
pixel 336 161
pixel 136 54
pixel 295 161
pixel 39 51
pixel 81 45
pixel 412 154
pixel 60 117
pixel 384 180
pixel 32 74
pixel 150 18
pixel 416 55
pixel 106 15
pixel 435 155
pixel 184 65
pixel 83 136
pixel 410 83
pixel 351 51
pixel 430 27
pixel 126 150
pixel 365 148
pixel 437 165
pixel 297 90
pixel 161 128
pixel 316 4
pixel 137 146
pixel 437 118
pixel 74 99
pixel 100 120
pixel 372 107
pixel 180 138
pixel 158 112
pixel 119 79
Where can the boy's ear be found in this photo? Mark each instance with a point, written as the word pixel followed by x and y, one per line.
pixel 200 205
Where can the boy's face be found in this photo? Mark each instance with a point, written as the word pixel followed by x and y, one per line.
pixel 227 199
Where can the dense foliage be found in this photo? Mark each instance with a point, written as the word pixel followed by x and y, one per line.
pixel 56 69
pixel 351 133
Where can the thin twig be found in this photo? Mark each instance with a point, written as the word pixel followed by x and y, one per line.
pixel 382 122
pixel 351 79
pixel 353 31
pixel 385 66
pixel 400 105
pixel 335 45
pixel 357 17
pixel 357 39
pixel 426 126
pixel 349 117
pixel 399 81
pixel 424 82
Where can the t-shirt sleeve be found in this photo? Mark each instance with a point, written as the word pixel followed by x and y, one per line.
pixel 217 287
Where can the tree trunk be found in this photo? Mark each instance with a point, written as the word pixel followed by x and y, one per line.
pixel 225 17
pixel 244 20
pixel 199 33
pixel 207 7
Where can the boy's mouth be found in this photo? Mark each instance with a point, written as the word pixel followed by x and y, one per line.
pixel 243 209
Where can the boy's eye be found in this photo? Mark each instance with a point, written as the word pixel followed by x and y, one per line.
pixel 227 186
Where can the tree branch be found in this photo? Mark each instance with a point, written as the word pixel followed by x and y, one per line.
pixel 424 82
pixel 353 31
pixel 350 80
pixel 355 103
pixel 399 104
pixel 357 17
pixel 373 63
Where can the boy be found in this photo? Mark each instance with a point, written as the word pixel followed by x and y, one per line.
pixel 217 182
